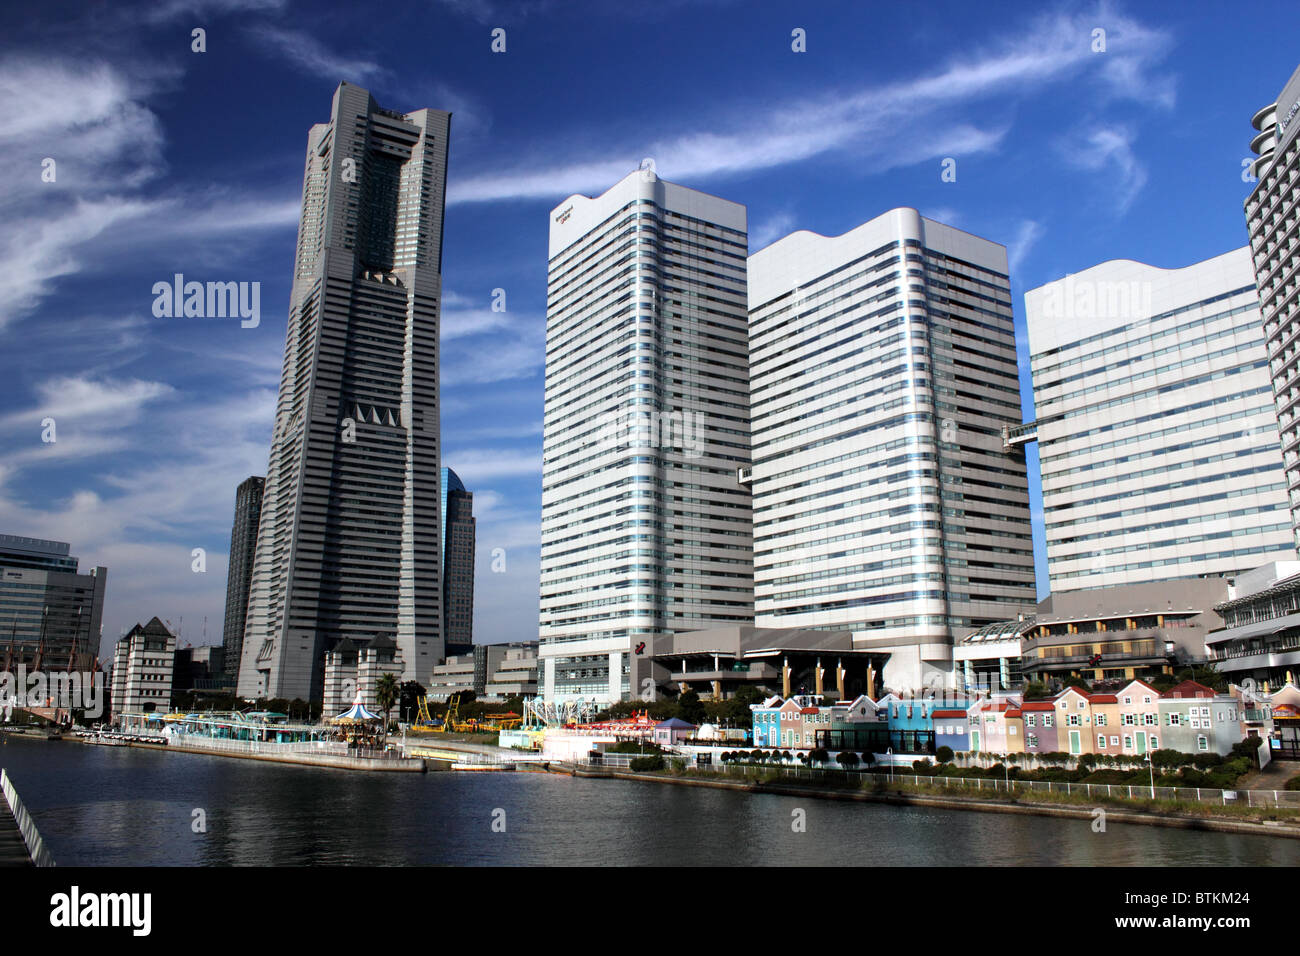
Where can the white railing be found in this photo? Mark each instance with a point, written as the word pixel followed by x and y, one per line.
pixel 1136 791
pixel 26 826
pixel 218 745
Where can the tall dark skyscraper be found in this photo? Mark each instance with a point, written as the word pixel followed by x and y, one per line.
pixel 457 559
pixel 350 538
pixel 243 547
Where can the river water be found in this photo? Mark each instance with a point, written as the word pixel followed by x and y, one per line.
pixel 113 806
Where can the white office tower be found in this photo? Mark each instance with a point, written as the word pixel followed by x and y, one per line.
pixel 1156 433
pixel 348 543
pixel 645 528
pixel 883 371
pixel 1272 211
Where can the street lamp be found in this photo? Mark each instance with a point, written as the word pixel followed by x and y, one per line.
pixel 889 752
pixel 1151 769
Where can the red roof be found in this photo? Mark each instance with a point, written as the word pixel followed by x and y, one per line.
pixel 810 710
pixel 1038 705
pixel 1015 712
pixel 948 713
pixel 1189 688
pixel 1103 698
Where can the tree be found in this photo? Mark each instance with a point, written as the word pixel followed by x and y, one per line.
pixel 1036 690
pixel 690 709
pixel 847 759
pixel 387 693
pixel 944 754
pixel 1074 680
pixel 411 692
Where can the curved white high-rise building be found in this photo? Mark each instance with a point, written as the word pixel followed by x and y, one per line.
pixel 349 541
pixel 1273 218
pixel 1157 442
pixel 883 373
pixel 645 528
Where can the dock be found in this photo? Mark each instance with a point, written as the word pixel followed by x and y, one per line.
pixel 20 843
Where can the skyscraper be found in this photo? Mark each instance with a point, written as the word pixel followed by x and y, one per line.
pixel 645 528
pixel 457 560
pixel 883 371
pixel 1157 438
pixel 49 613
pixel 349 542
pixel 243 547
pixel 1271 211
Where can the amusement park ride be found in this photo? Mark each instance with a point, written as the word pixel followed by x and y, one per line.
pixel 489 723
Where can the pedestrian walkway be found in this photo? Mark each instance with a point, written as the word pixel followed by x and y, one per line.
pixel 13 851
pixel 1272 777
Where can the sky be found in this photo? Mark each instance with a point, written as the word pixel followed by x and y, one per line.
pixel 170 160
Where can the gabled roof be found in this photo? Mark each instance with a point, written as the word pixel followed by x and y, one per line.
pixel 947 713
pixel 1103 699
pixel 1013 712
pixel 1188 688
pixel 1138 680
pixel 1069 690
pixel 1038 705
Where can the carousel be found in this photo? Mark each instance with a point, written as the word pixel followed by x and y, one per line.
pixel 358 725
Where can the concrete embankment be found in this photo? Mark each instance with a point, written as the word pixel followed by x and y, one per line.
pixel 1113 814
pixel 326 760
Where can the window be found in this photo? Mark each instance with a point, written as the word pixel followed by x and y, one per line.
pixel 1128 700
pixel 1101 740
pixel 1101 720
pixel 1155 742
pixel 1029 721
pixel 1173 719
pixel 1202 742
pixel 1129 720
pixel 1114 741
pixel 1149 720
pixel 1047 720
pixel 1128 742
pixel 1074 720
pixel 1146 700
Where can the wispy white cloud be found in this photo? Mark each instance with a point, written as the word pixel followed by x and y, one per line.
pixel 1108 149
pixel 770 230
pixel 876 123
pixel 1027 234
pixel 312 56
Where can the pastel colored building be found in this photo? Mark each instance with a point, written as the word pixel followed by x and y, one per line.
pixel 1139 714
pixel 1074 721
pixel 1108 738
pixel 767 722
pixel 996 727
pixel 951 729
pixel 1195 719
pixel 1039 719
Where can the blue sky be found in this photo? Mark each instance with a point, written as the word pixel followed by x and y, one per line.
pixel 168 161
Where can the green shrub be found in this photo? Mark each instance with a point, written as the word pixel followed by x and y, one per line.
pixel 924 767
pixel 944 754
pixel 642 764
pixel 1169 758
pixel 1293 783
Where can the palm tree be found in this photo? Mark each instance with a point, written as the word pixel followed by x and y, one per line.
pixel 387 693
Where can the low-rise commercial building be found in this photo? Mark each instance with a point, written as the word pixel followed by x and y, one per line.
pixel 788 662
pixel 1257 641
pixel 489 670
